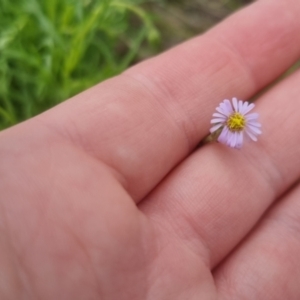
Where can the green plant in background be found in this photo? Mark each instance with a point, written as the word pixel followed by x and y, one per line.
pixel 51 50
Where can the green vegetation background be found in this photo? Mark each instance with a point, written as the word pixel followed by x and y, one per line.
pixel 51 50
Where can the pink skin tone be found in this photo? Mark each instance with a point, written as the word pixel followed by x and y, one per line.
pixel 104 196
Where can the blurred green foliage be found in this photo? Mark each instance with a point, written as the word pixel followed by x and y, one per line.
pixel 53 49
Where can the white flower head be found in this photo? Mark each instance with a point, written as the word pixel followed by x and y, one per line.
pixel 235 120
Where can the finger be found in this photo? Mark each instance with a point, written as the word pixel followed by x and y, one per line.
pixel 267 265
pixel 144 122
pixel 217 195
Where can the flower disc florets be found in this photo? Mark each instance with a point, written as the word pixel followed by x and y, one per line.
pixel 236 122
pixel 234 119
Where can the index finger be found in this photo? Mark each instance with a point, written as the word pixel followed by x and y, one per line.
pixel 145 121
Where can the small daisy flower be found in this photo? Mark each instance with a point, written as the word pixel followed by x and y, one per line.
pixel 234 119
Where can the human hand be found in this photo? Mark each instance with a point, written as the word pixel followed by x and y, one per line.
pixel 105 197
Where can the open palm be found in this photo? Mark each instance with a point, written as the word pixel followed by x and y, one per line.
pixel 105 196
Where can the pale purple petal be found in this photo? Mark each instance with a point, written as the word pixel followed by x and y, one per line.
pixel 240 106
pixel 221 110
pixel 239 141
pixel 254 129
pixel 215 128
pixel 235 104
pixel 254 123
pixel 245 105
pixel 217 120
pixel 251 135
pixel 247 109
pixel 229 138
pixel 225 109
pixel 219 115
pixel 233 140
pixel 251 116
pixel 228 106
pixel 223 136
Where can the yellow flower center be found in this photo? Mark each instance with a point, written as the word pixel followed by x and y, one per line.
pixel 236 122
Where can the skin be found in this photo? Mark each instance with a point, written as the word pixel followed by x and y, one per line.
pixel 107 197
